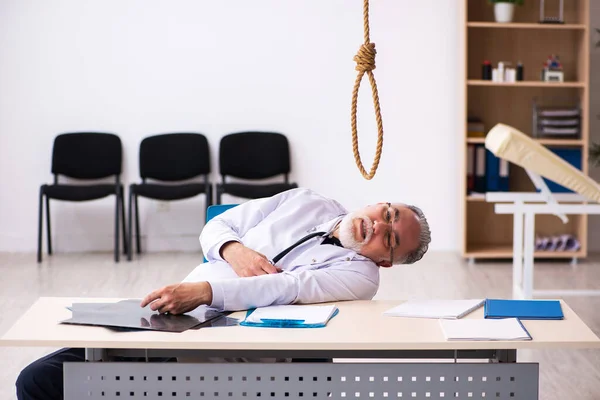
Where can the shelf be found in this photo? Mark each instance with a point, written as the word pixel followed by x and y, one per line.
pixel 478 82
pixel 545 142
pixel 485 234
pixel 476 197
pixel 506 251
pixel 521 25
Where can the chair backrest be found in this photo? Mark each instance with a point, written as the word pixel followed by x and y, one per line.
pixel 215 210
pixel 174 156
pixel 87 155
pixel 254 155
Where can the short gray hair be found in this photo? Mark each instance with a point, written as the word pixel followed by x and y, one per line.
pixel 424 237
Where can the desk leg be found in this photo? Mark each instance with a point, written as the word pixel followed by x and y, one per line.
pixel 92 355
pixel 517 252
pixel 506 356
pixel 528 256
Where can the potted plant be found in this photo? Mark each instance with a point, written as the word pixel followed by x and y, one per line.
pixel 504 9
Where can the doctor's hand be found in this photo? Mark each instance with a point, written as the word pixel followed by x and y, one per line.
pixel 179 298
pixel 245 261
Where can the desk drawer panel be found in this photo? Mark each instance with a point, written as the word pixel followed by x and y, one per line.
pixel 133 380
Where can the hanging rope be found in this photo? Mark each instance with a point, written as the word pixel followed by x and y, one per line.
pixel 365 63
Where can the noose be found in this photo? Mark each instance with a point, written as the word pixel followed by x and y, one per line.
pixel 365 63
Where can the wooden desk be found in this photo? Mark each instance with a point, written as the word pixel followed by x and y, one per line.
pixel 358 331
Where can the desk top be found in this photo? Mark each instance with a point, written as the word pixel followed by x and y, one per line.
pixel 359 325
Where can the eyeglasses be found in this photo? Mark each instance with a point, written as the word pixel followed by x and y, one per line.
pixel 391 215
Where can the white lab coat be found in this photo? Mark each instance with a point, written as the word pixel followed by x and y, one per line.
pixel 312 273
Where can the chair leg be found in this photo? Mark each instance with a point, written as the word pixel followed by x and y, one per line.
pixel 48 225
pixel 129 227
pixel 40 212
pixel 118 196
pixel 219 195
pixel 124 225
pixel 137 225
pixel 209 195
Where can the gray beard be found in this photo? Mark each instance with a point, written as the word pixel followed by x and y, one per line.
pixel 347 237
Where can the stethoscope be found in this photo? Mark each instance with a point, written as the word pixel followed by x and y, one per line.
pixel 298 243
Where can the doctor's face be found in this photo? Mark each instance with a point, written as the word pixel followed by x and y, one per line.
pixel 382 232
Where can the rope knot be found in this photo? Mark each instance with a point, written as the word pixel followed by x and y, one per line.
pixel 365 64
pixel 365 58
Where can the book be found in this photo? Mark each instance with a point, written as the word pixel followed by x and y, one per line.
pixel 290 316
pixel 470 168
pixel 496 173
pixel 523 309
pixel 484 329
pixel 435 308
pixel 480 162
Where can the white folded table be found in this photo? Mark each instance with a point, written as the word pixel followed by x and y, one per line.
pixel 358 331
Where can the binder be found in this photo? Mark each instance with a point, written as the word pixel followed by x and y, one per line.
pixel 290 316
pixel 496 173
pixel 480 183
pixel 470 168
pixel 573 157
pixel 523 309
pixel 504 171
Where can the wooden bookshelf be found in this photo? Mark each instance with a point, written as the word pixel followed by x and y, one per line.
pixel 544 141
pixel 522 25
pixel 533 84
pixel 488 235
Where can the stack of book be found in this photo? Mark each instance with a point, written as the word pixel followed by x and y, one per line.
pixel 485 171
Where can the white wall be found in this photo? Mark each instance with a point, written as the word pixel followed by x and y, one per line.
pixel 139 67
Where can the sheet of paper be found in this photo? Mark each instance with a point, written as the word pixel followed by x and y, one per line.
pixel 435 308
pixel 310 314
pixel 484 329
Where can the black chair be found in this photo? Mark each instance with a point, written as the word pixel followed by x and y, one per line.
pixel 253 156
pixel 85 157
pixel 172 159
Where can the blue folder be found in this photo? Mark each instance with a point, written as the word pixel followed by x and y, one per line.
pixel 284 323
pixel 573 157
pixel 523 309
pixel 496 173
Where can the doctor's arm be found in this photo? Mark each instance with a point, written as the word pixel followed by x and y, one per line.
pixel 221 238
pixel 305 287
pixel 314 286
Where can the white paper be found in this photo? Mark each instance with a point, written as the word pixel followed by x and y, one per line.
pixel 309 313
pixel 435 308
pixel 484 329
